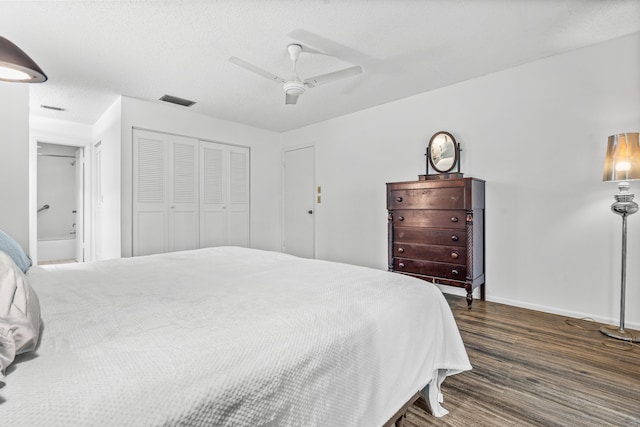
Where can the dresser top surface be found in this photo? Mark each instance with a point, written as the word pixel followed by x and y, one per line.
pixel 437 183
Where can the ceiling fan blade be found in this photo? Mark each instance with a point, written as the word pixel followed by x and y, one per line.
pixel 308 49
pixel 330 77
pixel 257 70
pixel 291 99
pixel 328 47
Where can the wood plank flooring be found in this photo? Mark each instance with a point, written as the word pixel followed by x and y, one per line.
pixel 534 369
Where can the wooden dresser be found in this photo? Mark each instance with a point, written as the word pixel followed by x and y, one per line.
pixel 436 231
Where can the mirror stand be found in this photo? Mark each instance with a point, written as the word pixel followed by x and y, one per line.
pixel 441 164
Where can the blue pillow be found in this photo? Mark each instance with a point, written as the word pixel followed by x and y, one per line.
pixel 15 251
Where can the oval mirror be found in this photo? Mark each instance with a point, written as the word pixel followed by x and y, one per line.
pixel 443 152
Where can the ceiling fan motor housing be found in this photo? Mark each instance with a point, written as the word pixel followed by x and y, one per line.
pixel 294 88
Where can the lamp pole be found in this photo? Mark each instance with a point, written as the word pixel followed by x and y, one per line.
pixel 623 206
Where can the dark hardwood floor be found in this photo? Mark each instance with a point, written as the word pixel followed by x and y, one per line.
pixel 534 369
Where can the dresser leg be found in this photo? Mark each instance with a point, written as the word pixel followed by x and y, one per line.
pixel 469 290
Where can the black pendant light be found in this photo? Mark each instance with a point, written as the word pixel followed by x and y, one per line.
pixel 16 66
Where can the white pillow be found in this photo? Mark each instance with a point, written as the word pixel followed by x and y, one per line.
pixel 19 313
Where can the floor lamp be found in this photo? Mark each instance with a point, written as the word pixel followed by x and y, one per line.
pixel 622 164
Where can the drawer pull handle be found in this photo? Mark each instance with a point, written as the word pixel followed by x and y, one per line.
pixel 401 250
pixel 454 219
pixel 401 265
pixel 400 218
pixel 455 255
pixel 399 199
pixel 455 272
pixel 455 238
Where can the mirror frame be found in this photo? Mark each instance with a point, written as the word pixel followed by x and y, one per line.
pixel 456 152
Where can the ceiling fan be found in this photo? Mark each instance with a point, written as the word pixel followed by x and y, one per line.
pixel 295 86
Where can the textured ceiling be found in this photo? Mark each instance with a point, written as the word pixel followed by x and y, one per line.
pixel 95 51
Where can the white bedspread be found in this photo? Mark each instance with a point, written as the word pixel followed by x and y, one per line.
pixel 228 337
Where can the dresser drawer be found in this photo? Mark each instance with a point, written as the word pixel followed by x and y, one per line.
pixel 455 219
pixel 451 254
pixel 429 268
pixel 430 236
pixel 427 198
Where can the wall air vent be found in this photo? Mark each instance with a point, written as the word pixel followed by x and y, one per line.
pixel 50 107
pixel 177 101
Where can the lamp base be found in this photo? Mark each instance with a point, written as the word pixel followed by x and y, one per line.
pixel 619 334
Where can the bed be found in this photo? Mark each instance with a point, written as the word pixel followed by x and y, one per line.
pixel 230 336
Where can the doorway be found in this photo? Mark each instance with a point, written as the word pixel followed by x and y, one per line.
pixel 60 203
pixel 299 204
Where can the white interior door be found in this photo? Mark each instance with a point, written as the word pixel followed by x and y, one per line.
pixel 98 202
pixel 299 203
pixel 79 217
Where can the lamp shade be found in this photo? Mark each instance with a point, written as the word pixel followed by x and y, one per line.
pixel 623 158
pixel 16 66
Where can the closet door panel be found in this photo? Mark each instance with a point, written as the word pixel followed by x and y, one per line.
pixel 238 209
pixel 150 219
pixel 238 176
pixel 213 209
pixel 184 231
pixel 149 238
pixel 238 228
pixel 213 230
pixel 184 205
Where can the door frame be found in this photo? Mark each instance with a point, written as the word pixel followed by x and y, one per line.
pixel 35 138
pixel 312 146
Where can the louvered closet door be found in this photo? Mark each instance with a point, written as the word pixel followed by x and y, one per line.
pixel 150 215
pixel 238 205
pixel 165 192
pixel 224 195
pixel 183 194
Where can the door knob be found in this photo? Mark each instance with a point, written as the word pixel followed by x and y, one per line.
pixel 309 212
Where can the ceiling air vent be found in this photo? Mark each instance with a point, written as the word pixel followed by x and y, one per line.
pixel 50 107
pixel 177 101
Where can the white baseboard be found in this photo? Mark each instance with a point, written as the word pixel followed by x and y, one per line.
pixel 561 312
pixel 544 309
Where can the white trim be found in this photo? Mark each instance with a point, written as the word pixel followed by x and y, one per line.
pixel 561 312
pixel 543 308
pixel 36 137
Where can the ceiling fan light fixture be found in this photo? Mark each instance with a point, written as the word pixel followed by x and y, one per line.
pixel 17 66
pixel 294 88
pixel 294 51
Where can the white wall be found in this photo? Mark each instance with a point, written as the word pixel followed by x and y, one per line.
pixel 265 161
pixel 14 161
pixel 59 131
pixel 537 134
